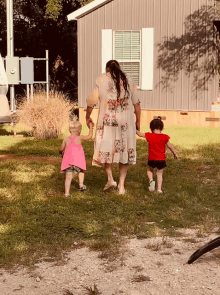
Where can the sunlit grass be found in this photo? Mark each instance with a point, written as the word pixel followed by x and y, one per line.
pixel 37 222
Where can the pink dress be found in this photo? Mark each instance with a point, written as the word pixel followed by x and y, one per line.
pixel 73 155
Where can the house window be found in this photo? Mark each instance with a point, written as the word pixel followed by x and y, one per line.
pixel 127 51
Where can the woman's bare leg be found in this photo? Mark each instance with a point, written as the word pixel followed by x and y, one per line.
pixel 159 179
pixel 68 180
pixel 108 171
pixel 123 169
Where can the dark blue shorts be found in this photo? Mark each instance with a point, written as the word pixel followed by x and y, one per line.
pixel 157 164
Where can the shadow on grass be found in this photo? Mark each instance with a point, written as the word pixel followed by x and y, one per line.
pixel 37 222
pixel 8 129
pixel 4 130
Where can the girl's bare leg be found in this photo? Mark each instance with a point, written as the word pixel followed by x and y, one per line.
pixel 150 173
pixel 159 179
pixel 68 180
pixel 123 169
pixel 81 178
pixel 108 171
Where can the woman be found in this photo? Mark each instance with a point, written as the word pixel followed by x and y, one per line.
pixel 115 140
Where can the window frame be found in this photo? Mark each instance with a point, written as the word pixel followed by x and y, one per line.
pixel 131 60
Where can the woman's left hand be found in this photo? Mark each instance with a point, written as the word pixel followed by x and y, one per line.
pixel 138 125
pixel 89 121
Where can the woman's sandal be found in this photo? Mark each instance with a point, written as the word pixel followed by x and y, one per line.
pixel 66 195
pixel 108 186
pixel 159 192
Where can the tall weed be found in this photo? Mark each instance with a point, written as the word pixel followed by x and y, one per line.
pixel 45 117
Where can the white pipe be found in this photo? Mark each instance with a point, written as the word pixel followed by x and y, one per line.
pixel 12 95
pixel 11 28
pixel 8 29
pixel 32 92
pixel 28 95
pixel 47 73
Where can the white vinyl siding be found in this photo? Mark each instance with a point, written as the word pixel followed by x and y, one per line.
pixel 127 51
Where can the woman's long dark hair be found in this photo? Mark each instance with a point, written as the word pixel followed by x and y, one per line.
pixel 117 75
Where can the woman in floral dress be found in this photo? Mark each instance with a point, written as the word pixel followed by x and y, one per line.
pixel 115 140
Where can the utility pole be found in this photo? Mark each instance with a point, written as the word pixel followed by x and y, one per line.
pixel 10 45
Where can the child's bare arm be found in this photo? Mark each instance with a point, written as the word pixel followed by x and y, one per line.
pixel 140 134
pixel 89 136
pixel 171 148
pixel 63 146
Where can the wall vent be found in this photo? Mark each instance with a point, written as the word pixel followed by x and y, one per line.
pixel 212 119
pixel 162 117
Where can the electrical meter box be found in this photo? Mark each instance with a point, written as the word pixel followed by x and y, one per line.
pixel 27 70
pixel 12 69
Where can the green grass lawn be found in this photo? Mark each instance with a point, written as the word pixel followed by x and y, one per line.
pixel 38 223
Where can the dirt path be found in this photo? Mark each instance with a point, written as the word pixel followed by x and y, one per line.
pixel 146 267
pixel 30 158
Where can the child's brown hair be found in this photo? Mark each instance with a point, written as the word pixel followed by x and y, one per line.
pixel 156 124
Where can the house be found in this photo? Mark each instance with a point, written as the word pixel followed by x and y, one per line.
pixel 169 47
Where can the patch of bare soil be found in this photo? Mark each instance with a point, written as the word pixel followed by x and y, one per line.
pixel 153 266
pixel 30 158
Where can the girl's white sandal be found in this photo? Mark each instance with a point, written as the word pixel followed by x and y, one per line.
pixel 152 186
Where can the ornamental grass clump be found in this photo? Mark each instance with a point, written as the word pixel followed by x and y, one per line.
pixel 44 117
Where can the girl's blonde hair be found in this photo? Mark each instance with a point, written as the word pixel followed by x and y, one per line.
pixel 76 125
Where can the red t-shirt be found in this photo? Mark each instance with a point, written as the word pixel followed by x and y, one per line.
pixel 156 145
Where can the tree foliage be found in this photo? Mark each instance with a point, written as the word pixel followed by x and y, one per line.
pixel 41 25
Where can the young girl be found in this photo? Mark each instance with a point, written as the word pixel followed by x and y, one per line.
pixel 74 158
pixel 157 143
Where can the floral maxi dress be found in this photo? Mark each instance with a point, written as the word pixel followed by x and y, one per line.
pixel 115 140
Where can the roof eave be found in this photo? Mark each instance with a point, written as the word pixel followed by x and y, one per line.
pixel 86 9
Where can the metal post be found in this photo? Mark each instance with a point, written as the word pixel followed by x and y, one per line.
pixel 8 29
pixel 12 95
pixel 32 92
pixel 10 45
pixel 28 95
pixel 47 74
pixel 15 131
pixel 11 29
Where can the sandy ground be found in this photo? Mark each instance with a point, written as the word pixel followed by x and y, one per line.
pixel 145 267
